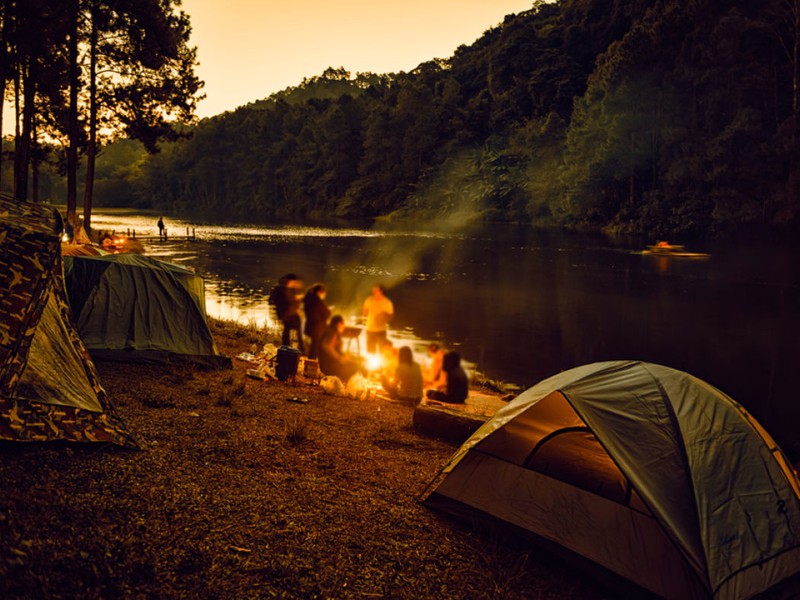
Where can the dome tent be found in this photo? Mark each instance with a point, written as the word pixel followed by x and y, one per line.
pixel 642 470
pixel 48 385
pixel 132 307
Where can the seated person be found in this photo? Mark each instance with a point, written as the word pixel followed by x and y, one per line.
pixel 457 384
pixel 434 374
pixel 407 381
pixel 332 360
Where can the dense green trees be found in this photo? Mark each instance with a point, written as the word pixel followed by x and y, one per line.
pixel 653 116
pixel 689 138
pixel 483 131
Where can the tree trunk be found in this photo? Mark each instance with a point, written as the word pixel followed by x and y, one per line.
pixel 794 165
pixel 34 163
pixel 22 149
pixel 3 74
pixel 2 109
pixel 91 150
pixel 796 65
pixel 72 116
pixel 17 133
pixel 632 174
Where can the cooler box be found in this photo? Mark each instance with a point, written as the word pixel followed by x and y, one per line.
pixel 286 362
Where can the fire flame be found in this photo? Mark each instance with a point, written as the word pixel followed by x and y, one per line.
pixel 374 362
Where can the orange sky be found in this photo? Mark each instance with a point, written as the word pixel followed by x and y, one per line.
pixel 249 49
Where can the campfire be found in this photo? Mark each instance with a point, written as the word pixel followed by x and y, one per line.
pixel 374 362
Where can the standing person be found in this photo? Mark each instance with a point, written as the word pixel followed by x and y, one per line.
pixel 285 297
pixel 69 229
pixel 160 226
pixel 457 383
pixel 332 359
pixel 317 315
pixel 379 311
pixel 292 320
pixel 277 296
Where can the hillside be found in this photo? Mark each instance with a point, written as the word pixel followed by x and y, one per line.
pixel 642 116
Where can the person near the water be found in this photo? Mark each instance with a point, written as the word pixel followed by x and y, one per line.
pixel 379 311
pixel 457 389
pixel 317 315
pixel 434 374
pixel 407 380
pixel 69 230
pixel 332 359
pixel 160 226
pixel 285 298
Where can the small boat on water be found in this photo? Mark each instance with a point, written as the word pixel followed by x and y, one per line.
pixel 667 249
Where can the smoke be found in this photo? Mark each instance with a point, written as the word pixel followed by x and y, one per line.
pixel 451 207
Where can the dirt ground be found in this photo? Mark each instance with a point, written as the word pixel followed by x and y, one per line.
pixel 239 492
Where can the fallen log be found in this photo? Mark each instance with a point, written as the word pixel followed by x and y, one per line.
pixel 455 422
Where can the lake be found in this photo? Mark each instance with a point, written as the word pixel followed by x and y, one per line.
pixel 520 304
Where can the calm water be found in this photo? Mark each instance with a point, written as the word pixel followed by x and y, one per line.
pixel 523 305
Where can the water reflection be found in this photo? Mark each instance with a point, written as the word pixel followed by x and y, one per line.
pixel 524 305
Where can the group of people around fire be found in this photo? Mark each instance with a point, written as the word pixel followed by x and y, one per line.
pixel 401 376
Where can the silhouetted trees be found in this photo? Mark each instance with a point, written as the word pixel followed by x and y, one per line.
pixel 656 116
pixel 85 67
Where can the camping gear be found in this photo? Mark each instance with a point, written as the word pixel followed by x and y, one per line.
pixel 49 388
pixel 352 333
pixel 332 385
pixel 641 470
pixel 81 250
pixel 357 387
pixel 256 374
pixel 286 362
pixel 135 308
pixel 311 369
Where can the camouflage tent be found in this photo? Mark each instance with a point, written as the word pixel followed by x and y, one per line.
pixel 48 385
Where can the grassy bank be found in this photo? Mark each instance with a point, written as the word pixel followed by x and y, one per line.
pixel 238 492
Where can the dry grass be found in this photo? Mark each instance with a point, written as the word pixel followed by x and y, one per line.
pixel 239 493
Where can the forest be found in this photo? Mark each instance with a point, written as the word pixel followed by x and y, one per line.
pixel 657 117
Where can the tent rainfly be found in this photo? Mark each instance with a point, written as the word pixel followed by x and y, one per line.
pixel 642 470
pixel 48 385
pixel 134 308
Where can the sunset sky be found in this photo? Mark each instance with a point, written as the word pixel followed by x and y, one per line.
pixel 249 49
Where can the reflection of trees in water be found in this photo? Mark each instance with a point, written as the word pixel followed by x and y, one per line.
pixel 232 288
pixel 525 314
